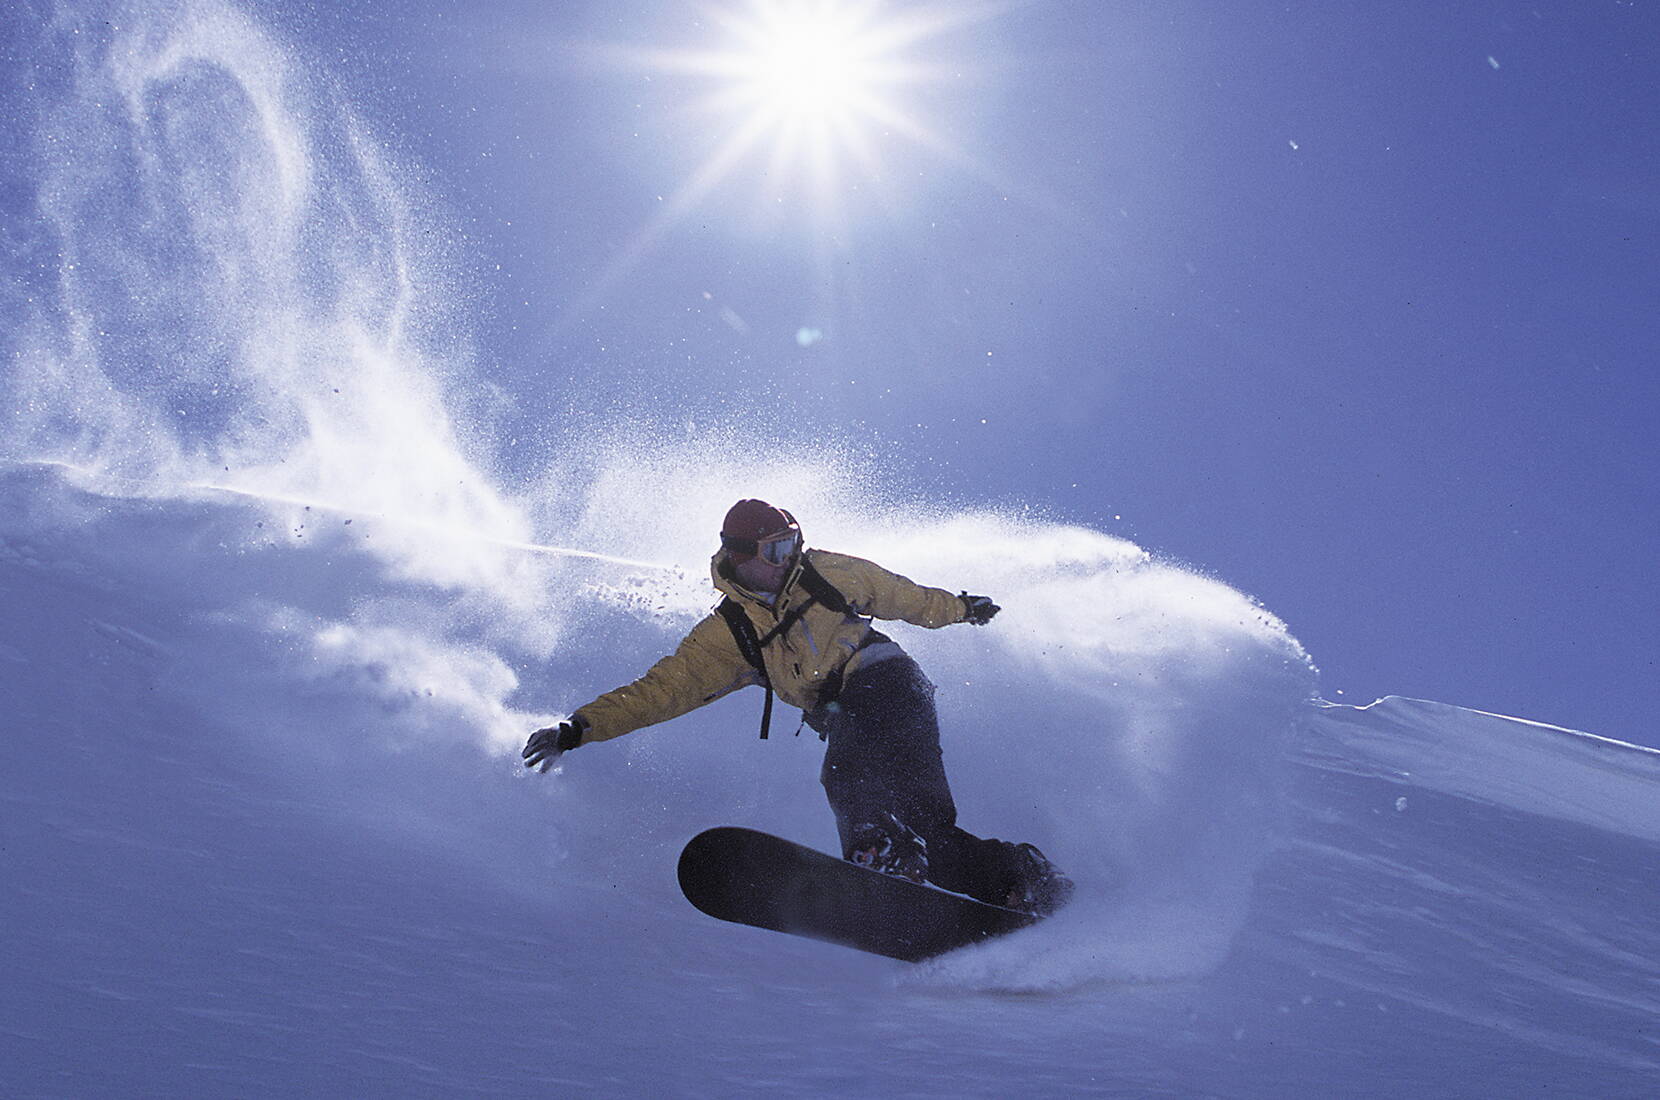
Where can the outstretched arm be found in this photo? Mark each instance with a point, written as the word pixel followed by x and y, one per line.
pixel 705 666
pixel 872 590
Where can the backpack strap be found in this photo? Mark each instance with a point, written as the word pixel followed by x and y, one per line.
pixel 820 589
pixel 743 632
pixel 751 645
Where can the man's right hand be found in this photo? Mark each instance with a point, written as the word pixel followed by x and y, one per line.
pixel 546 745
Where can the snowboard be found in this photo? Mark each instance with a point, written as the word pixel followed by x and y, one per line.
pixel 754 878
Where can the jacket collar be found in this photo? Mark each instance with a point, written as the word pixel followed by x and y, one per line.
pixel 726 581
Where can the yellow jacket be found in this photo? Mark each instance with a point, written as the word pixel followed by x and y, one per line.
pixel 708 664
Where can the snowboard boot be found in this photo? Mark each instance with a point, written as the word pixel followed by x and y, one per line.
pixel 889 846
pixel 1038 887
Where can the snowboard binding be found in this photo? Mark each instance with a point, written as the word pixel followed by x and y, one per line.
pixel 890 846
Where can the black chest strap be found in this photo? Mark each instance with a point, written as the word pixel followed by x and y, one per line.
pixel 749 644
pixel 752 645
pixel 813 582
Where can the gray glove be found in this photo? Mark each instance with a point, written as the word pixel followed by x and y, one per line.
pixel 978 610
pixel 546 745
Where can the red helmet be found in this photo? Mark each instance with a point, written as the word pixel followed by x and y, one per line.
pixel 755 527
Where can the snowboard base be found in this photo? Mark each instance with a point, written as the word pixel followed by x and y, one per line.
pixel 754 878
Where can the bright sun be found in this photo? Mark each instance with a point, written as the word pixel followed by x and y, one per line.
pixel 808 99
pixel 807 65
pixel 815 89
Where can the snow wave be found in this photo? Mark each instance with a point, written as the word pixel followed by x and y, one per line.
pixel 243 316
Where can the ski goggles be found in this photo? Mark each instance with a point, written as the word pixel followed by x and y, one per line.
pixel 776 550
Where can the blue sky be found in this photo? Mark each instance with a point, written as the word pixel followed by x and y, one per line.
pixel 1353 309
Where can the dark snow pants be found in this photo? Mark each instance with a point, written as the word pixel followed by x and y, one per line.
pixel 884 756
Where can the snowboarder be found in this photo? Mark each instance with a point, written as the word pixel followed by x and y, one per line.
pixel 797 621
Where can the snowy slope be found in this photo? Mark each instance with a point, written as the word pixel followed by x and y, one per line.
pixel 234 865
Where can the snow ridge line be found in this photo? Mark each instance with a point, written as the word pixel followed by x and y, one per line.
pixel 207 487
pixel 427 525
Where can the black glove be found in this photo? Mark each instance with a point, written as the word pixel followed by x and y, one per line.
pixel 979 609
pixel 546 745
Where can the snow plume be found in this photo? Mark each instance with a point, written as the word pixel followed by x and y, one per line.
pixel 1127 715
pixel 229 285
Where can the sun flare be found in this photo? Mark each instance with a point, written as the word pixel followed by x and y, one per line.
pixel 813 92
pixel 805 110
pixel 808 65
